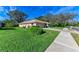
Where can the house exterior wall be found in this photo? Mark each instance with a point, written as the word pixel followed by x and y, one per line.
pixel 33 24
pixel 28 25
pixel 41 25
pixel 22 25
pixel 25 25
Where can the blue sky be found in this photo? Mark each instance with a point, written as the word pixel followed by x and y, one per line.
pixel 36 11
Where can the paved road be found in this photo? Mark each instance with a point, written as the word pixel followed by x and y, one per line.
pixel 63 43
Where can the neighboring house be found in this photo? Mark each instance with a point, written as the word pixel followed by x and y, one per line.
pixel 35 22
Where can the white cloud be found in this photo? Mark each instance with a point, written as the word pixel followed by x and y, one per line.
pixel 2 18
pixel 12 8
pixel 1 9
pixel 65 9
pixel 76 11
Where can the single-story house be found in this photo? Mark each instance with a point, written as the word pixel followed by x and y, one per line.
pixel 35 22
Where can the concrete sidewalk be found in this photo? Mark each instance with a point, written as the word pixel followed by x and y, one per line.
pixel 63 43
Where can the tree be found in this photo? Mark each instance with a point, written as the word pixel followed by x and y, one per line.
pixel 64 19
pixel 57 20
pixel 8 23
pixel 17 16
pixel 46 17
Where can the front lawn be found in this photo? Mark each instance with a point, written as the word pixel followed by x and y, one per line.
pixel 76 37
pixel 20 39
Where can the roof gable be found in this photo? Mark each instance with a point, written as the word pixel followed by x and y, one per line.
pixel 33 21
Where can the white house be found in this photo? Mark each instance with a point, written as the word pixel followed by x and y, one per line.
pixel 34 22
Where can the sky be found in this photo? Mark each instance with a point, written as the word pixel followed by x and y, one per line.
pixel 36 11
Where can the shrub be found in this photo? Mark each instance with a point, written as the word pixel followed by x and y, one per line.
pixel 8 25
pixel 36 30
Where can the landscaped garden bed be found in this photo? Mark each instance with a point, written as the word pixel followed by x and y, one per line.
pixel 20 39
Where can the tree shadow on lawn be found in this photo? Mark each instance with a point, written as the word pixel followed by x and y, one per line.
pixel 7 28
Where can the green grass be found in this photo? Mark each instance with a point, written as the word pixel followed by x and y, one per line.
pixel 76 37
pixel 19 40
pixel 58 28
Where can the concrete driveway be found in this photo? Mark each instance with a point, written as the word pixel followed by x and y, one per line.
pixel 63 43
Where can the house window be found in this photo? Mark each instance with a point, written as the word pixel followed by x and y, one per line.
pixel 34 24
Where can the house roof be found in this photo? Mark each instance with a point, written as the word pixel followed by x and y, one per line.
pixel 33 21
